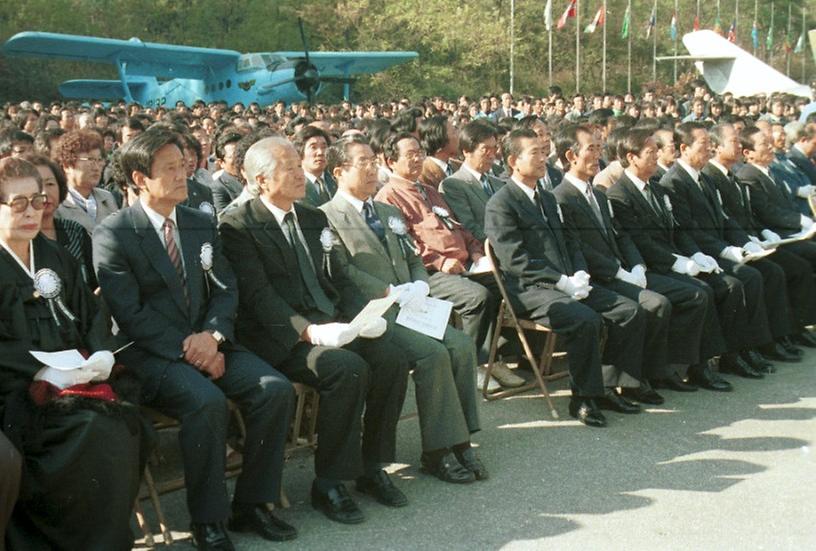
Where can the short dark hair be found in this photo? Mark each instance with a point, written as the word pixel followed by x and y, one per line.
pixel 685 133
pixel 11 135
pixel 511 144
pixel 305 134
pixel 433 133
pixel 633 141
pixel 567 140
pixel 226 138
pixel 338 154
pixel 391 147
pixel 405 121
pixel 38 159
pixel 12 168
pixel 474 133
pixel 747 137
pixel 138 153
pixel 715 133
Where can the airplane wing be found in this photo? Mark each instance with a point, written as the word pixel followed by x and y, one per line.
pixel 98 89
pixel 140 58
pixel 339 64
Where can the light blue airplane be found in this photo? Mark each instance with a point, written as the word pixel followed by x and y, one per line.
pixel 155 74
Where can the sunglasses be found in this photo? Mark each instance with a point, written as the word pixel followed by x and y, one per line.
pixel 20 204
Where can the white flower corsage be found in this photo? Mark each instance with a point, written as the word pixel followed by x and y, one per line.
pixel 667 202
pixel 327 241
pixel 48 285
pixel 560 214
pixel 397 225
pixel 206 257
pixel 206 207
pixel 443 215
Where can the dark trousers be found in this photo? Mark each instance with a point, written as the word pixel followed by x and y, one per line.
pixel 712 341
pixel 370 375
pixel 800 284
pixel 265 398
pixel 741 312
pixel 578 325
pixel 10 473
pixel 757 330
pixel 777 301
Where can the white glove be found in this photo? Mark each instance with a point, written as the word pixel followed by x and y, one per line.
pixel 753 247
pixel 374 328
pixel 331 334
pixel 685 265
pixel 705 262
pixel 575 289
pixel 412 295
pixel 581 277
pixel 806 222
pixel 771 237
pixel 734 254
pixel 805 191
pixel 483 265
pixel 639 272
pixel 627 277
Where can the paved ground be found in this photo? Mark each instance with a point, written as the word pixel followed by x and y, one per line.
pixel 704 471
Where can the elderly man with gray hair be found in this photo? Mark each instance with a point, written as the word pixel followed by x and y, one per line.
pixel 295 318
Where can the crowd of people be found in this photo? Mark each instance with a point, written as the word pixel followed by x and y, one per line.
pixel 223 251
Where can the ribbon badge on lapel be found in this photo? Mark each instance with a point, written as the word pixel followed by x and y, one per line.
pixel 609 206
pixel 48 285
pixel 397 225
pixel 669 208
pixel 560 214
pixel 207 208
pixel 327 242
pixel 444 216
pixel 722 205
pixel 207 265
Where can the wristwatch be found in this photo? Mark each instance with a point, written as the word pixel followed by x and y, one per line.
pixel 219 338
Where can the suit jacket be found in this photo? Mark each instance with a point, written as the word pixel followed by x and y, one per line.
pixel 698 213
pixel 736 203
pixel 273 312
pixel 501 113
pixel 772 206
pixel 803 163
pixel 534 249
pixel 143 291
pixel 608 175
pixel 225 188
pixel 371 264
pixel 432 174
pixel 467 199
pixel 653 231
pixel 197 193
pixel 105 206
pixel 555 174
pixel 312 197
pixel 605 248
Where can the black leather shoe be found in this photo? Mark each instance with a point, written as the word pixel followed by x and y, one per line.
pixel 791 348
pixel 644 394
pixel 674 382
pixel 738 366
pixel 703 377
pixel 614 402
pixel 758 362
pixel 469 460
pixel 805 338
pixel 211 536
pixel 382 489
pixel 337 505
pixel 586 411
pixel 777 353
pixel 447 469
pixel 259 519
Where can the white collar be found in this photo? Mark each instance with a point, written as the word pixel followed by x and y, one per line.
pixel 312 178
pixel 664 167
pixel 528 191
pixel 79 200
pixel 690 171
pixel 352 200
pixel 475 174
pixel 28 270
pixel 277 212
pixel 156 219
pixel 717 164
pixel 579 184
pixel 640 184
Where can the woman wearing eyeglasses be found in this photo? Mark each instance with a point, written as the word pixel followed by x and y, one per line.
pixel 82 160
pixel 80 444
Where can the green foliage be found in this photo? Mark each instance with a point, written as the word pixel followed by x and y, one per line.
pixel 464 45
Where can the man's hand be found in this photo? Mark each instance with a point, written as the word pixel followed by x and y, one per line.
pixel 215 368
pixel 199 349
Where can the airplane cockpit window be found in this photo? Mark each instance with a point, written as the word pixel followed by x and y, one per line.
pixel 272 61
pixel 250 62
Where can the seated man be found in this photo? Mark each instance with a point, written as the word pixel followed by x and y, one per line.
pixel 291 316
pixel 458 270
pixel 374 251
pixel 174 295
pixel 227 186
pixel 311 143
pixel 545 275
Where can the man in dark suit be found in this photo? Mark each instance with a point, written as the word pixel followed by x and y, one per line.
pixel 718 239
pixel 666 153
pixel 174 295
pixel 803 152
pixel 545 273
pixel 311 143
pixel 228 185
pixel 675 310
pixel 736 214
pixel 506 110
pixel 292 316
pixel 469 188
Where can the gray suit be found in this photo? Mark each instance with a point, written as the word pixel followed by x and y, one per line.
pixel 467 199
pixel 443 372
pixel 105 206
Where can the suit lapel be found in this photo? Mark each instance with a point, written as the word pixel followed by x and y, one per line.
pixel 274 234
pixel 191 251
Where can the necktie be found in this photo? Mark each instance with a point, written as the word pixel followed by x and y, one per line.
pixel 448 170
pixel 537 200
pixel 373 220
pixel 733 180
pixel 315 296
pixel 652 199
pixel 322 190
pixel 596 209
pixel 488 189
pixel 175 258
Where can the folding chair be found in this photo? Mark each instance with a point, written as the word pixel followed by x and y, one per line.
pixel 542 365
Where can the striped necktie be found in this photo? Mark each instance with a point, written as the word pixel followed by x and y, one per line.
pixel 175 256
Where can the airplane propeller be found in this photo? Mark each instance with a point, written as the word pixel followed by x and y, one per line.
pixel 307 78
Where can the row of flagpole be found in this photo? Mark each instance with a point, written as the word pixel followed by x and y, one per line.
pixel 599 20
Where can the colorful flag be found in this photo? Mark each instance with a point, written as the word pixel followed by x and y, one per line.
pixel 755 35
pixel 673 26
pixel 718 26
pixel 627 18
pixel 597 21
pixel 696 24
pixel 548 15
pixel 800 44
pixel 787 44
pixel 569 12
pixel 769 38
pixel 650 26
pixel 732 32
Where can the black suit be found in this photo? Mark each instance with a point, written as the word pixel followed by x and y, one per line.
pixel 805 164
pixel 198 193
pixel 275 311
pixel 534 251
pixel 224 190
pixel 147 300
pixel 701 218
pixel 675 310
